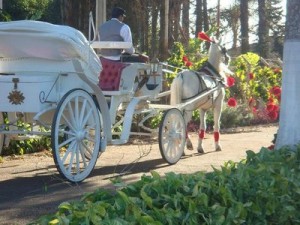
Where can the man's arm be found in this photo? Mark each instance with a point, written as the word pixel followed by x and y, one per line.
pixel 126 34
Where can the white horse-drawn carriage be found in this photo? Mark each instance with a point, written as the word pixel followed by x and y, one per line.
pixel 49 78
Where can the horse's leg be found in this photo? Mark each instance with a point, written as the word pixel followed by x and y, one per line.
pixel 217 116
pixel 187 118
pixel 201 130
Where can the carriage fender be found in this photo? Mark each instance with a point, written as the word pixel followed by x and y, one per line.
pixel 102 104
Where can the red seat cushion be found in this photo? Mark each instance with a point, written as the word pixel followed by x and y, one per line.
pixel 110 75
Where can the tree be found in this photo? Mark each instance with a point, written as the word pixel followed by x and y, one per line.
pixel 289 126
pixel 263 29
pixel 269 25
pixel 244 17
pixel 185 22
pixel 231 16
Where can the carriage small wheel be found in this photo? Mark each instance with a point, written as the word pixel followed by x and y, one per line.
pixel 172 135
pixel 76 135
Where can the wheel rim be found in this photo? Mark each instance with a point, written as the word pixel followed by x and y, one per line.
pixel 76 135
pixel 172 134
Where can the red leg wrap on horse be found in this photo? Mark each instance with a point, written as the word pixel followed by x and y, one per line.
pixel 216 136
pixel 201 134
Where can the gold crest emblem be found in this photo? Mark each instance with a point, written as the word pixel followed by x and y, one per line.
pixel 16 97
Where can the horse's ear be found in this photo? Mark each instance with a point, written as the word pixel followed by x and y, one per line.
pixel 220 40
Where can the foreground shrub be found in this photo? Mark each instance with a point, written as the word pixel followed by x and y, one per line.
pixel 262 189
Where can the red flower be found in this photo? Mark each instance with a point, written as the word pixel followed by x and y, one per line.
pixel 276 108
pixel 273 115
pixel 230 81
pixel 270 107
pixel 231 102
pixel 254 110
pixel 251 76
pixel 275 91
pixel 188 63
pixel 271 147
pixel 185 58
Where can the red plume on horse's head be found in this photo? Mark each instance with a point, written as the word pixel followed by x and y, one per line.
pixel 203 36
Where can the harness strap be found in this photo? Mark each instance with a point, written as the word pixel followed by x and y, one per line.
pixel 202 86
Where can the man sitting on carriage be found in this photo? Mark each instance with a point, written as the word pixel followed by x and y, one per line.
pixel 116 30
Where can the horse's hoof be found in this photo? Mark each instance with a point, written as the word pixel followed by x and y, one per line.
pixel 200 150
pixel 218 149
pixel 189 145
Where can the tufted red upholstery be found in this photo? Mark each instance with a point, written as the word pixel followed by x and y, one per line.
pixel 110 75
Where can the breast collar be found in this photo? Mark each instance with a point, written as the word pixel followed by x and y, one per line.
pixel 209 70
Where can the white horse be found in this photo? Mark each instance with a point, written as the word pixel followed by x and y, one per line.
pixel 188 84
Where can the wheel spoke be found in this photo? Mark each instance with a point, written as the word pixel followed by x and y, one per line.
pixel 69 150
pixel 82 112
pixel 66 142
pixel 71 159
pixel 77 159
pixel 71 116
pixel 69 124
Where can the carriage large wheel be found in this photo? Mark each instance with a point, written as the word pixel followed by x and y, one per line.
pixel 76 135
pixel 172 135
pixel 2 136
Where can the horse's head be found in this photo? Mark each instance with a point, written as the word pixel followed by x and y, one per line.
pixel 218 52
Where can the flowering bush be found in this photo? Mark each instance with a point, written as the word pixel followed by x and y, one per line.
pixel 258 85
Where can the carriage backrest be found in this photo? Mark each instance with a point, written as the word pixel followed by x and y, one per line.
pixel 110 76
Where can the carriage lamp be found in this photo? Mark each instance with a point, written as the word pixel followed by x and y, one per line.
pixel 154 65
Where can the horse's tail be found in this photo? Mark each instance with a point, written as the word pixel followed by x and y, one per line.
pixel 176 90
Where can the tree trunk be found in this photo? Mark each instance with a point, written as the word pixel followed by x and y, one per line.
pixel 185 22
pixel 289 126
pixel 205 16
pixel 154 40
pixel 244 26
pixel 164 31
pixel 263 30
pixel 199 17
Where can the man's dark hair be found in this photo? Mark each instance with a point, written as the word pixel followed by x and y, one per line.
pixel 117 11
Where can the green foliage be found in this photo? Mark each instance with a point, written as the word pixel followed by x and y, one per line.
pixel 29 145
pixel 32 9
pixel 23 144
pixel 194 55
pixel 262 189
